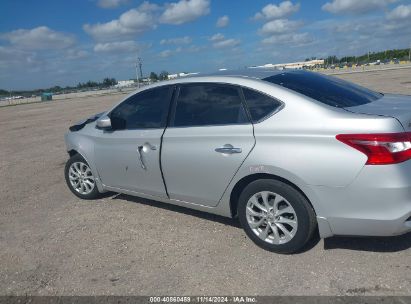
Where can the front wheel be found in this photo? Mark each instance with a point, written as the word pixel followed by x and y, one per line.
pixel 276 216
pixel 80 179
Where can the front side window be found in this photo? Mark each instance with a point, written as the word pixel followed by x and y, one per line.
pixel 325 89
pixel 145 110
pixel 260 105
pixel 209 104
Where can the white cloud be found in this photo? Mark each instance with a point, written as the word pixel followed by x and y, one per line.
pixel 272 11
pixel 217 37
pixel 292 39
pixel 73 54
pixel 166 53
pixel 10 56
pixel 354 6
pixel 178 40
pixel 219 41
pixel 185 11
pixel 191 49
pixel 194 48
pixel 223 21
pixel 111 3
pixel 400 12
pixel 226 43
pixel 130 23
pixel 39 38
pixel 368 28
pixel 116 47
pixel 279 26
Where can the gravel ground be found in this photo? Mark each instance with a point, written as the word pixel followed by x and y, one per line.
pixel 52 243
pixel 388 81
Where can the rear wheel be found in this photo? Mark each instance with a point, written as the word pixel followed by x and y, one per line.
pixel 80 179
pixel 276 216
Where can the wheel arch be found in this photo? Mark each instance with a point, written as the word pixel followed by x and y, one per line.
pixel 75 151
pixel 72 152
pixel 246 180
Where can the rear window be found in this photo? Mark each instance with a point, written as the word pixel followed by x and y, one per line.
pixel 260 105
pixel 209 104
pixel 328 90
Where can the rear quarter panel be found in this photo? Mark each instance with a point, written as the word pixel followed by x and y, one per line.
pixel 298 144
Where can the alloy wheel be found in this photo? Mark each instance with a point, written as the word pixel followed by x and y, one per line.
pixel 271 217
pixel 81 178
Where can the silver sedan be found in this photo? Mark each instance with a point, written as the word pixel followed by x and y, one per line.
pixel 287 152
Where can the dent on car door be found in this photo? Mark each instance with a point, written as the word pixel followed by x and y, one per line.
pixel 209 137
pixel 127 156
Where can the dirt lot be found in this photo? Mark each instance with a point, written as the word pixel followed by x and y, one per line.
pixel 388 81
pixel 52 243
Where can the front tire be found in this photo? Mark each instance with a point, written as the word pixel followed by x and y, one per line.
pixel 80 179
pixel 276 216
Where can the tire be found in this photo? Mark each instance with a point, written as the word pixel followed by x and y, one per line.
pixel 78 172
pixel 295 226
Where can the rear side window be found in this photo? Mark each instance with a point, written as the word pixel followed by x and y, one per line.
pixel 145 110
pixel 260 105
pixel 209 104
pixel 328 90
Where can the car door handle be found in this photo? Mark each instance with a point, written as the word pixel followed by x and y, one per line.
pixel 140 156
pixel 144 148
pixel 228 149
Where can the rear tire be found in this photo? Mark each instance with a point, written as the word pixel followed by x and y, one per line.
pixel 276 216
pixel 80 179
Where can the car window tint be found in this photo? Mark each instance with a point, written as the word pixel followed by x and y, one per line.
pixel 147 109
pixel 260 105
pixel 328 90
pixel 209 104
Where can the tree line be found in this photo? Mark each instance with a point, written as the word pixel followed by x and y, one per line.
pixel 106 83
pixel 162 76
pixel 401 54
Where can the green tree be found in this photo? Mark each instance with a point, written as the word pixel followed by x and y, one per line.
pixel 109 82
pixel 163 75
pixel 153 76
pixel 331 60
pixel 4 93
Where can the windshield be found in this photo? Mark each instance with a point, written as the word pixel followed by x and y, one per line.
pixel 328 90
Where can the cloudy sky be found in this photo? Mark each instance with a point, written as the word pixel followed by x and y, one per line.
pixel 57 42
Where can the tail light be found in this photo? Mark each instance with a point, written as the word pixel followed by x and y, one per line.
pixel 381 149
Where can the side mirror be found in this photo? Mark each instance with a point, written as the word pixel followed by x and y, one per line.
pixel 104 122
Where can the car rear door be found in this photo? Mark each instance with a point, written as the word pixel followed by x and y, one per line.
pixel 207 140
pixel 128 157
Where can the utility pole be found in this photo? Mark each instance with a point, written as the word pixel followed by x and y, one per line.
pixel 409 53
pixel 140 67
pixel 139 70
pixel 137 78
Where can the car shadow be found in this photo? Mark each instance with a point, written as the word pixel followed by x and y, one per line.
pixel 179 209
pixel 375 244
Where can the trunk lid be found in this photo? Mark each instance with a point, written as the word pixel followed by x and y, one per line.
pixel 390 105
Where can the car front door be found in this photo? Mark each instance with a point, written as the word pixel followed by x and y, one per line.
pixel 208 138
pixel 127 157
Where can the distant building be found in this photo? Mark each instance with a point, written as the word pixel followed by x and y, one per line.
pixel 174 76
pixel 292 65
pixel 124 83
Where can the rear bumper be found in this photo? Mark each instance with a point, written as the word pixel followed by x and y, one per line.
pixel 376 203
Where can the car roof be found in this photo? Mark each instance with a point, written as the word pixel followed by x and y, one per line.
pixel 257 73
